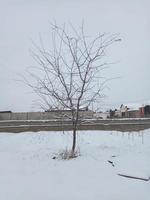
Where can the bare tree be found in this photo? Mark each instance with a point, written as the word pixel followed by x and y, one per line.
pixel 70 74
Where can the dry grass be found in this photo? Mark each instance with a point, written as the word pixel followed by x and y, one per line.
pixel 67 154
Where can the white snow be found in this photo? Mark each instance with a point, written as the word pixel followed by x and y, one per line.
pixel 28 172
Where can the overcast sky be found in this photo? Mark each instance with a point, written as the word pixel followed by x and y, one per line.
pixel 23 20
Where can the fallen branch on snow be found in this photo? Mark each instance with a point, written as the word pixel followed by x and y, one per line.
pixel 134 177
pixel 111 162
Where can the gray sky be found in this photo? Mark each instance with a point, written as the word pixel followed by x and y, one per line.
pixel 21 21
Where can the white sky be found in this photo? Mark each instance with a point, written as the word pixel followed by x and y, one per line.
pixel 23 20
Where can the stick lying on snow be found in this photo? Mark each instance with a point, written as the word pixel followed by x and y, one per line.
pixel 134 177
pixel 111 162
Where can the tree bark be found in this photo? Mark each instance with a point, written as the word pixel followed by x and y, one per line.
pixel 74 140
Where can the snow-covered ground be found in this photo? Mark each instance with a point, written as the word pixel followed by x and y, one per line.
pixel 28 172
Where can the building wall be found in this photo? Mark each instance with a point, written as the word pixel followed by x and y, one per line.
pixel 141 112
pixel 43 115
pixel 134 113
pixel 5 116
pixel 101 115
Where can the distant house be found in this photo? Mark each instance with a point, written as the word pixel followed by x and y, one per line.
pixel 129 111
pixel 134 113
pixel 147 111
pixel 121 112
pixel 144 111
pixel 124 111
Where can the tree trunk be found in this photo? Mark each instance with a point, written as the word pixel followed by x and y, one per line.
pixel 74 140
